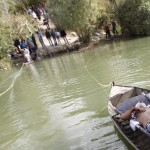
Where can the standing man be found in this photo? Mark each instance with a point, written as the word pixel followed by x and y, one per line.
pixel 107 30
pixel 43 44
pixel 53 36
pixel 113 23
pixel 33 40
pixel 48 36
pixel 41 40
pixel 32 48
pixel 63 35
pixel 57 36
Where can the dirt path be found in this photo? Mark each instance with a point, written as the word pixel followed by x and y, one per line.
pixel 61 46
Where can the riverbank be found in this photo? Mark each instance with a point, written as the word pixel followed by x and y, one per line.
pixel 74 45
pixel 59 101
pixel 62 47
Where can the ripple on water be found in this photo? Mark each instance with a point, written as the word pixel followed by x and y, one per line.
pixel 56 104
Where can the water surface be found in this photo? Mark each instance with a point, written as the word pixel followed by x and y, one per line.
pixel 61 103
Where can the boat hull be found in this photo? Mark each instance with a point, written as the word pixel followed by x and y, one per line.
pixel 139 139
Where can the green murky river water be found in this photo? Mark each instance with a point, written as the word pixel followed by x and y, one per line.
pixel 60 104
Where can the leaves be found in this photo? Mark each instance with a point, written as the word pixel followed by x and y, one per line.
pixel 77 15
pixel 13 27
pixel 134 16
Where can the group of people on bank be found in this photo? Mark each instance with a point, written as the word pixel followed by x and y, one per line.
pixel 29 48
pixel 27 45
pixel 54 36
pixel 108 30
pixel 37 11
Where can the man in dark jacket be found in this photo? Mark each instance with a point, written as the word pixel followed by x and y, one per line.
pixel 33 40
pixel 48 36
pixel 17 45
pixel 32 48
pixel 114 30
pixel 63 35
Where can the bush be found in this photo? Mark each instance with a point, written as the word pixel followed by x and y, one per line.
pixel 76 15
pixel 134 17
pixel 11 27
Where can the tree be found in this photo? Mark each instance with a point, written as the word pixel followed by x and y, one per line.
pixel 77 15
pixel 133 16
pixel 12 26
pixel 4 6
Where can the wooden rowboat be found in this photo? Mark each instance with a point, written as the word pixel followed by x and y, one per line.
pixel 122 98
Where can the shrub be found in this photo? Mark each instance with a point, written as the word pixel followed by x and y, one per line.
pixel 134 16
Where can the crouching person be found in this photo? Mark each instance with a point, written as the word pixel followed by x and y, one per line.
pixel 26 54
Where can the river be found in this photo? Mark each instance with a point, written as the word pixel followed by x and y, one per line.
pixel 61 103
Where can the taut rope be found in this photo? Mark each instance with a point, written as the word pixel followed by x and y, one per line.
pixel 12 84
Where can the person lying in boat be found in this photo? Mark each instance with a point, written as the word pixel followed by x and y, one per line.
pixel 140 112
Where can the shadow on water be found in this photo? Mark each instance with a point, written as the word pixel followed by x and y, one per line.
pixel 123 139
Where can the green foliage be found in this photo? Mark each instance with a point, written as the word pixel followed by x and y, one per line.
pixel 15 6
pixel 28 3
pixel 12 27
pixel 134 16
pixel 77 15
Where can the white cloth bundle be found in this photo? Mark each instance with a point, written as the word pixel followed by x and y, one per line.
pixel 133 124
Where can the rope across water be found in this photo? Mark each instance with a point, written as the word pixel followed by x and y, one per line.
pixel 86 67
pixel 99 83
pixel 13 81
pixel 102 85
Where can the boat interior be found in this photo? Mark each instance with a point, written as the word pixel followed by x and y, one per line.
pixel 122 98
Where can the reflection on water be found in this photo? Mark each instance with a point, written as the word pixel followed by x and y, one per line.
pixel 56 103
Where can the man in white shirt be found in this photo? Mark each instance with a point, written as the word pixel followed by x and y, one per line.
pixel 27 54
pixel 33 14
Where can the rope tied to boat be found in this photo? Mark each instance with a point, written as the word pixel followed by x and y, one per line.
pixel 102 85
pixel 99 83
pixel 13 81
